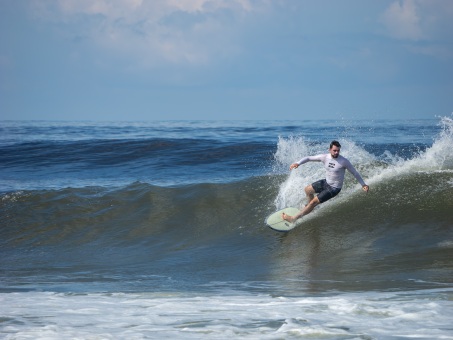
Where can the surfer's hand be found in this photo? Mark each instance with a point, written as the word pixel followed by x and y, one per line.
pixel 294 166
pixel 366 188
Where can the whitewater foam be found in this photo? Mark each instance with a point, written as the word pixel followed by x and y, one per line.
pixel 421 314
pixel 374 169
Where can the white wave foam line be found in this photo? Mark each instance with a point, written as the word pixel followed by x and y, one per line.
pixel 40 315
pixel 437 158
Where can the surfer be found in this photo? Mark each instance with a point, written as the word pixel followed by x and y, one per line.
pixel 330 186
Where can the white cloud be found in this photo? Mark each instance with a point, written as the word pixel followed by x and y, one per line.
pixel 402 20
pixel 417 20
pixel 424 25
pixel 174 31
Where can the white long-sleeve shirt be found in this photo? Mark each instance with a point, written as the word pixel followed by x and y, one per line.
pixel 335 168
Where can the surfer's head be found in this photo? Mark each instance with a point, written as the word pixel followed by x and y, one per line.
pixel 334 148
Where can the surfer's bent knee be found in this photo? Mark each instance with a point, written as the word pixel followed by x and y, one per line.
pixel 309 190
pixel 315 201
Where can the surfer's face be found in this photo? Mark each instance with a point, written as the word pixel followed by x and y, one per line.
pixel 334 151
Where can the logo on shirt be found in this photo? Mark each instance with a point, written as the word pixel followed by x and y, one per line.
pixel 332 165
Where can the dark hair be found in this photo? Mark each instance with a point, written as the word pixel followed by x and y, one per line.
pixel 336 143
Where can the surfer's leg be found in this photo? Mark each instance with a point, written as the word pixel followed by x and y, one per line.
pixel 313 201
pixel 310 206
pixel 310 192
pixel 306 210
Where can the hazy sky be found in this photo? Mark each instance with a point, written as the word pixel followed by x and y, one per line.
pixel 225 59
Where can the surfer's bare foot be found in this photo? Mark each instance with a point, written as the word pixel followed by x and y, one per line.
pixel 287 218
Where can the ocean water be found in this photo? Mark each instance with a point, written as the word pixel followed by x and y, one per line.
pixel 152 230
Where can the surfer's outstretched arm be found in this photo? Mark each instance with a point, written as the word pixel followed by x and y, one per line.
pixel 356 174
pixel 317 158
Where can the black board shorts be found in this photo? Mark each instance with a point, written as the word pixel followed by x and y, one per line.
pixel 325 191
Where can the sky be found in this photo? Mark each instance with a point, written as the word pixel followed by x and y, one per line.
pixel 225 59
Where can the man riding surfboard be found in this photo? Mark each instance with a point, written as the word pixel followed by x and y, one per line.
pixel 329 187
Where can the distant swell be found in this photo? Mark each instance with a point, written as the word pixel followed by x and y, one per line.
pixel 49 164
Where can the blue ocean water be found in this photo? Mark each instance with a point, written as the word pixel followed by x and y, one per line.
pixel 155 229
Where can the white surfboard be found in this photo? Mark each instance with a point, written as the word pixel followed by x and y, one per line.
pixel 276 222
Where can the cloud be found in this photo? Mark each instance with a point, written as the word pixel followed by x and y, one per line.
pixel 424 26
pixel 419 20
pixel 156 8
pixel 402 20
pixel 191 32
